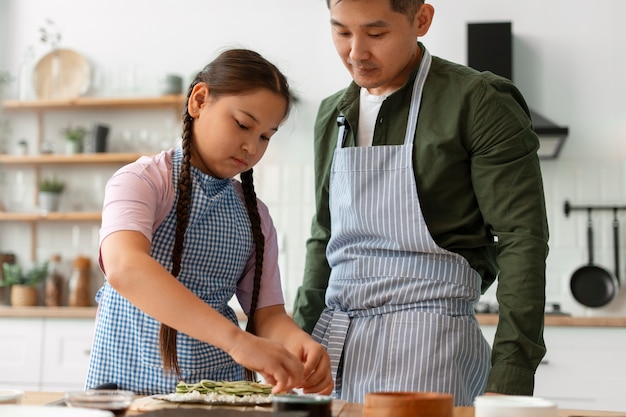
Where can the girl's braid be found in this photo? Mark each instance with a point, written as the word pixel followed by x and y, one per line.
pixel 167 335
pixel 259 247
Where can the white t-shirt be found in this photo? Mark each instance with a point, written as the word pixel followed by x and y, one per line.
pixel 369 106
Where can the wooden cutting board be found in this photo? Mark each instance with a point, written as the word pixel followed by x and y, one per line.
pixel 146 404
pixel 203 412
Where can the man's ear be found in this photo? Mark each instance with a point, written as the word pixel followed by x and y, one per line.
pixel 423 18
pixel 199 97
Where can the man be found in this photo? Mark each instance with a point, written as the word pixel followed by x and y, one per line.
pixel 428 186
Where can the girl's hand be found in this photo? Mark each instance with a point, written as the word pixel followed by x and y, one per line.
pixel 273 323
pixel 317 375
pixel 270 359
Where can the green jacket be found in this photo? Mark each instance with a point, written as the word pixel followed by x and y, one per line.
pixel 480 188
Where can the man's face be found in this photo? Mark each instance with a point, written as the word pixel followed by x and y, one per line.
pixel 377 45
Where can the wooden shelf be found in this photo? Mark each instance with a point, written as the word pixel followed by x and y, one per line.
pixel 91 103
pixel 82 158
pixel 40 108
pixel 57 216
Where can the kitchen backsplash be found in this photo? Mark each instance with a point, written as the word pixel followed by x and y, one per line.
pixel 599 182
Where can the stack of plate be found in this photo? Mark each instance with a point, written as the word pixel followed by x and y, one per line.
pixel 513 406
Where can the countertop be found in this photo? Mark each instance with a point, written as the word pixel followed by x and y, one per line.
pixel 48 312
pixel 485 319
pixel 564 320
pixel 340 409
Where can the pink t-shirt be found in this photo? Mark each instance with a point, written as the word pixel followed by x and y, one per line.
pixel 140 195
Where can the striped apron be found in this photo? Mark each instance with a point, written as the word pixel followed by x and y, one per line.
pixel 218 243
pixel 399 313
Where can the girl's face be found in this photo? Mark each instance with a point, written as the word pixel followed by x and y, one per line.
pixel 231 133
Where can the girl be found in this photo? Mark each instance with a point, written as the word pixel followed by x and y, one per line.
pixel 180 237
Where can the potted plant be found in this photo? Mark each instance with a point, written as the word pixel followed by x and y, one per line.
pixel 74 137
pixel 50 190
pixel 5 257
pixel 49 33
pixel 23 285
pixel 22 147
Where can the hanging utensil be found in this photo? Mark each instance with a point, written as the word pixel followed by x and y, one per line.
pixel 592 285
pixel 616 245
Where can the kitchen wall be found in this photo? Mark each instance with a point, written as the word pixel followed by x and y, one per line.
pixel 567 61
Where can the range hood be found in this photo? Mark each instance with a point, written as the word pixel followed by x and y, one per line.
pixel 490 48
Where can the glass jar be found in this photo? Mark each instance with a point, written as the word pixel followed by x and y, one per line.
pixel 79 291
pixel 54 282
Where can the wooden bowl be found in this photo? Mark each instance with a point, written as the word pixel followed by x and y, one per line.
pixel 408 404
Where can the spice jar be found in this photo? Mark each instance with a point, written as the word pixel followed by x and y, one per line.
pixel 79 294
pixel 54 282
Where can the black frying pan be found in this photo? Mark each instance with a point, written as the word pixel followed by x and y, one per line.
pixel 592 285
pixel 616 245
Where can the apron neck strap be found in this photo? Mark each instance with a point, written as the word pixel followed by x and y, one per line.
pixel 416 97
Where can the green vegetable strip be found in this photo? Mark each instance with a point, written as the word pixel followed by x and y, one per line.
pixel 238 388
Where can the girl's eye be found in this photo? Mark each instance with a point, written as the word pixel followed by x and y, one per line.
pixel 242 126
pixel 265 138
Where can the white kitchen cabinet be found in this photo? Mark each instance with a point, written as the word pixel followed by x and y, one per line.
pixel 20 352
pixel 66 353
pixel 49 354
pixel 584 367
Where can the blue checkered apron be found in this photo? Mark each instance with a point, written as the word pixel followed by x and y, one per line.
pixel 399 313
pixel 218 243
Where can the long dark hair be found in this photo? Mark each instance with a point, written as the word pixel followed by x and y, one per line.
pixel 233 72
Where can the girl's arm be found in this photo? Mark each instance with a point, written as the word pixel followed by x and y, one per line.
pixel 274 323
pixel 132 272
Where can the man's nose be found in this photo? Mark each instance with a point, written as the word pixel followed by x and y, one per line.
pixel 358 49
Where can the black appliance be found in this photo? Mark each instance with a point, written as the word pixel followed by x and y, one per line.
pixel 490 48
